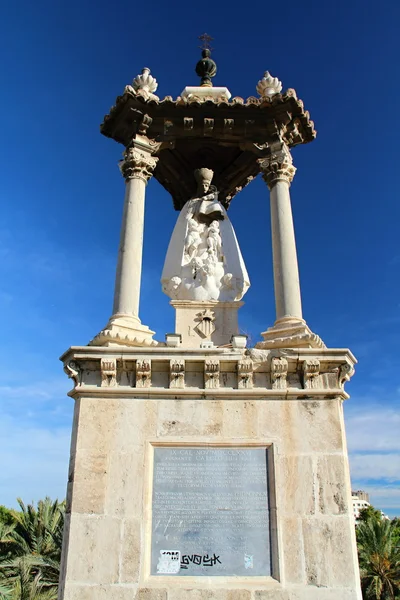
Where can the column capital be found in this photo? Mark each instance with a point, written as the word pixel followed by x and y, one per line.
pixel 278 165
pixel 137 164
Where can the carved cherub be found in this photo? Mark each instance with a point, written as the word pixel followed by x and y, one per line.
pixel 214 239
pixel 193 237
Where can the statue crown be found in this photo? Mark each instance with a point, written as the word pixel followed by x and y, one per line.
pixel 203 174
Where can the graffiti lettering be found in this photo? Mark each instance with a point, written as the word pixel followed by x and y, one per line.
pixel 197 559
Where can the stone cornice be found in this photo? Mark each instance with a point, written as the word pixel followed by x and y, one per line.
pixel 295 374
pixel 278 166
pixel 137 164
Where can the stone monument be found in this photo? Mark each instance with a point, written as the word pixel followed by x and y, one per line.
pixel 200 468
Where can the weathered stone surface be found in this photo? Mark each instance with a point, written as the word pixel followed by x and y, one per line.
pixel 190 418
pixel 94 556
pixel 332 490
pixel 328 552
pixel 97 420
pixel 99 592
pixel 293 550
pixel 136 421
pixel 124 496
pixel 130 551
pixel 323 418
pixel 89 483
pixel 321 593
pixel 240 419
pixel 295 485
pixel 215 594
pixel 151 594
pixel 274 594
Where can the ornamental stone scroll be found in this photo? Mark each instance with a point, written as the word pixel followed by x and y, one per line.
pixel 137 164
pixel 278 166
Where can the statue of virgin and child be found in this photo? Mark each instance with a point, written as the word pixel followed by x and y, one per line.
pixel 203 259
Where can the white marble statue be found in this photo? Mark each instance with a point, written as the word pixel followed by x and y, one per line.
pixel 203 260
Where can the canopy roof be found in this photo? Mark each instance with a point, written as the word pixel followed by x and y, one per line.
pixel 227 136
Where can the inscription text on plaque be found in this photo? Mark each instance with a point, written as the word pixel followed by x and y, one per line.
pixel 210 512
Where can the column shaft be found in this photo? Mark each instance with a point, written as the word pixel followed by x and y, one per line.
pixel 129 268
pixel 286 273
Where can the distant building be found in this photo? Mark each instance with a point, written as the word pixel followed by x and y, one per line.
pixel 360 500
pixel 361 495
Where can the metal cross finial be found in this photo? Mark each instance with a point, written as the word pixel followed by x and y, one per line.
pixel 205 41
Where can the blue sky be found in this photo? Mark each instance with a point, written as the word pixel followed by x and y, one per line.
pixel 62 201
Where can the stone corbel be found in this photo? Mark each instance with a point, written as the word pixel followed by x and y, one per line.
pixel 176 373
pixel 245 374
pixel 143 373
pixel 74 372
pixel 211 373
pixel 279 369
pixel 346 372
pixel 108 367
pixel 311 373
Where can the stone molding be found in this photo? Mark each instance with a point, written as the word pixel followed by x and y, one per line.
pixel 311 373
pixel 245 374
pixel 108 367
pixel 176 373
pixel 143 373
pixel 279 370
pixel 290 332
pixel 137 164
pixel 295 373
pixel 124 330
pixel 278 166
pixel 211 373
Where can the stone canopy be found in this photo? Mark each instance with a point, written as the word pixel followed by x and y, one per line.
pixel 229 135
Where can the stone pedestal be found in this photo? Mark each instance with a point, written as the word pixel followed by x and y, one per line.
pixel 207 321
pixel 131 402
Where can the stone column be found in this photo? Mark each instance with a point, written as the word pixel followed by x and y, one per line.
pixel 137 167
pixel 124 326
pixel 289 329
pixel 278 173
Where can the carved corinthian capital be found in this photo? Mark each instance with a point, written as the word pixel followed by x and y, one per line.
pixel 137 164
pixel 278 166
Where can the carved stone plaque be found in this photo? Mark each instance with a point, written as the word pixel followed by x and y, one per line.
pixel 210 512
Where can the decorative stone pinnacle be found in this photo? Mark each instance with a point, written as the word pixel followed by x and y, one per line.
pixel 268 86
pixel 146 83
pixel 206 67
pixel 137 165
pixel 278 166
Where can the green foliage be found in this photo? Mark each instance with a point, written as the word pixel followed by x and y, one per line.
pixel 6 516
pixel 379 557
pixel 30 550
pixel 369 513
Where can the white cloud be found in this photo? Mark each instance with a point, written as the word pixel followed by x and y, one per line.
pixel 33 460
pixel 373 439
pixel 375 466
pixel 373 429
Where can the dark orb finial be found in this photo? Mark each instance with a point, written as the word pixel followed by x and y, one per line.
pixel 206 67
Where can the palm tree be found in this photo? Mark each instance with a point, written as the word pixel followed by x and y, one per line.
pixel 379 558
pixel 30 552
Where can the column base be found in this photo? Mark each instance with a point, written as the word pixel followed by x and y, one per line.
pixel 290 332
pixel 124 330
